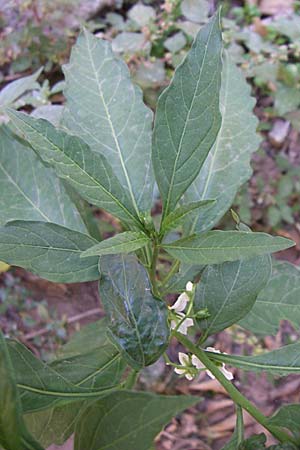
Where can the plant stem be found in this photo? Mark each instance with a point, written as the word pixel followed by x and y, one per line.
pixel 236 396
pixel 152 271
pixel 171 272
pixel 131 380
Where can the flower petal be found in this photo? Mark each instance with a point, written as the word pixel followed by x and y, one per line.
pixel 183 328
pixel 226 373
pixel 184 359
pixel 212 349
pixel 189 286
pixel 197 363
pixel 181 302
pixel 189 376
pixel 179 371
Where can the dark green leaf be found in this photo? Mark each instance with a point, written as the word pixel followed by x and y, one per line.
pixel 186 273
pixel 279 300
pixel 215 247
pixel 283 361
pixel 137 320
pixel 13 432
pixel 87 172
pixel 107 111
pixel 29 190
pixel 127 420
pixel 229 291
pixel 49 250
pixel 238 435
pixel 126 242
pixel 186 212
pixel 188 117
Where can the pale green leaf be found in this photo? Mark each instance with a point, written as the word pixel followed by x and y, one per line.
pixel 13 432
pixel 127 420
pixel 137 320
pixel 227 166
pixel 126 242
pixel 141 14
pixel 107 111
pixel 195 10
pixel 187 211
pixel 279 300
pixel 188 118
pixel 29 190
pixel 15 89
pixel 215 247
pixel 48 250
pixel 282 361
pixel 86 171
pixel 229 291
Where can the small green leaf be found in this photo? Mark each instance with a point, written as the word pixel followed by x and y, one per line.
pixel 229 291
pixel 13 432
pixel 10 93
pixel 184 212
pixel 48 250
pixel 279 300
pixel 29 190
pixel 282 361
pixel 138 321
pixel 188 118
pixel 238 435
pixel 107 111
pixel 126 242
pixel 215 247
pixel 186 273
pixel 127 420
pixel 87 172
pixel 288 416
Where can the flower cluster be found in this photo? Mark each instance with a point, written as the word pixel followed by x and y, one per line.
pixel 180 322
pixel 191 365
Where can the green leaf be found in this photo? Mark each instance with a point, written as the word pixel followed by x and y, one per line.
pixel 83 377
pixel 238 435
pixel 215 247
pixel 87 172
pixel 10 93
pixel 229 291
pixel 29 190
pixel 186 273
pixel 279 300
pixel 138 321
pixel 288 416
pixel 127 420
pixel 188 118
pixel 179 215
pixel 282 361
pixel 126 242
pixel 227 166
pixel 107 111
pixel 48 250
pixel 13 432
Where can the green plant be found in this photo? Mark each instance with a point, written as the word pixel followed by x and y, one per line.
pixel 203 137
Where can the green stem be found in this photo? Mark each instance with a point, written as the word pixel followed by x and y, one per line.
pixel 131 380
pixel 236 396
pixel 152 271
pixel 172 271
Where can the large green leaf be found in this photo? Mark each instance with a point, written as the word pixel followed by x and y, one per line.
pixel 215 247
pixel 49 250
pixel 127 420
pixel 126 242
pixel 88 173
pixel 13 432
pixel 279 300
pixel 107 111
pixel 227 166
pixel 138 321
pixel 29 190
pixel 188 118
pixel 84 377
pixel 229 291
pixel 288 416
pixel 283 361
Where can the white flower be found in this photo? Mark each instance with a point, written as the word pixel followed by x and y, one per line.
pixel 222 368
pixel 185 362
pixel 181 302
pixel 185 324
pixel 189 286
